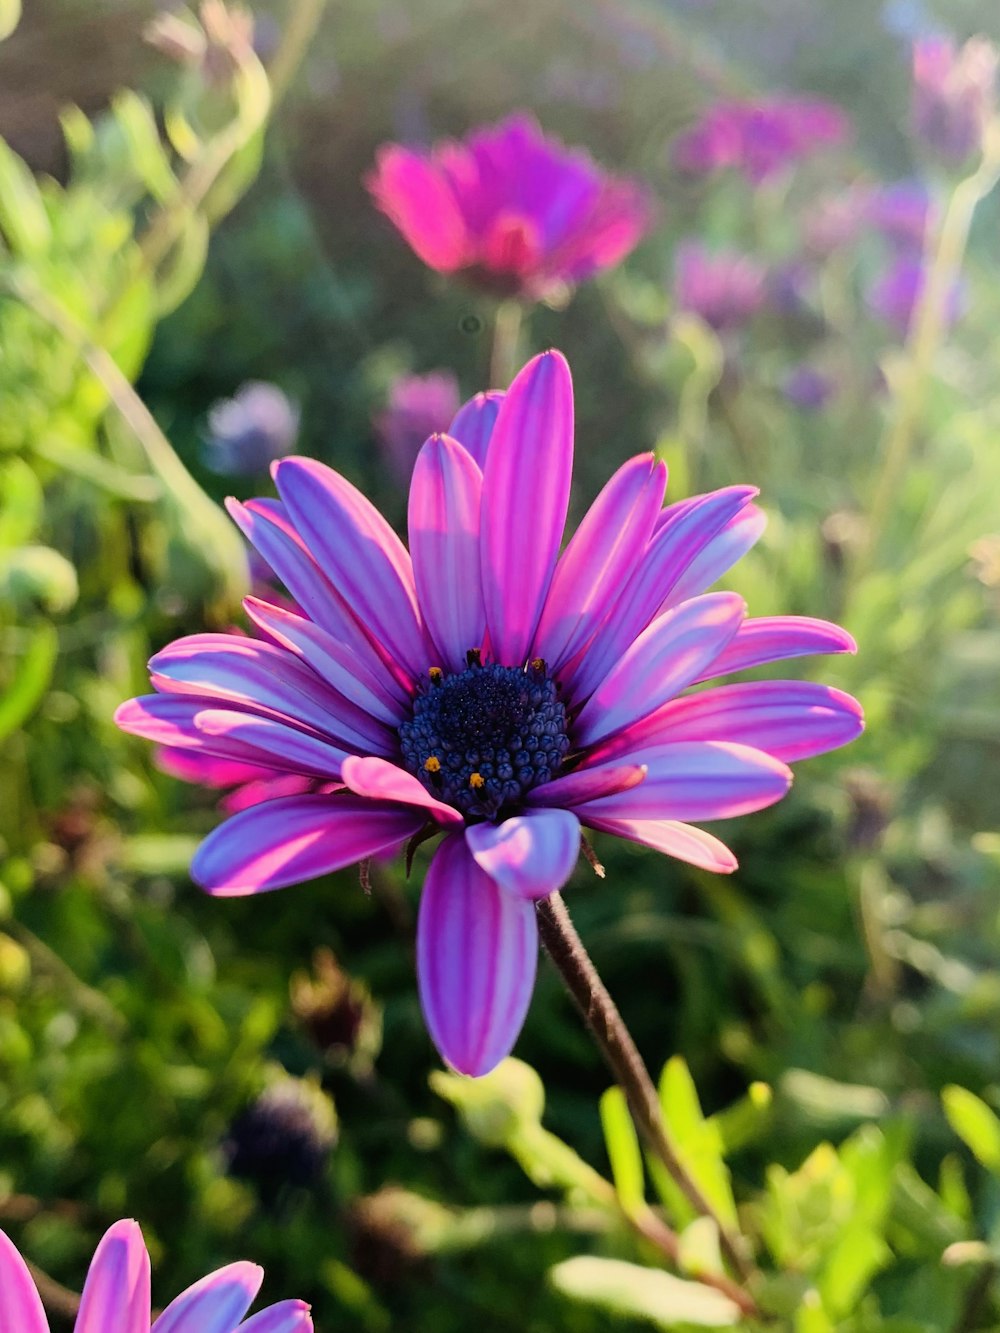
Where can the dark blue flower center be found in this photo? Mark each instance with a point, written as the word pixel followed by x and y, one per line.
pixel 481 738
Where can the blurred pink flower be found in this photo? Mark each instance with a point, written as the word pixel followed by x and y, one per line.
pixel 493 688
pixel 954 95
pixel 116 1295
pixel 902 212
pixel 418 406
pixel 510 207
pixel 895 294
pixel 725 288
pixel 760 137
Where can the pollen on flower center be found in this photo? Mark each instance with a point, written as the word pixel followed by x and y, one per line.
pixel 481 738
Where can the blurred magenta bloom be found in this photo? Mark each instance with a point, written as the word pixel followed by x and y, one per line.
pixel 762 137
pixel 808 388
pixel 511 208
pixel 954 95
pixel 725 288
pixel 492 688
pixel 895 294
pixel 116 1295
pixel 418 406
pixel 247 432
pixel 902 212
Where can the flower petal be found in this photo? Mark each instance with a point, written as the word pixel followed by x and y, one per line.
pixel 285 1317
pixel 20 1305
pixel 525 497
pixel 116 1292
pixel 378 780
pixel 270 682
pixel 696 780
pixel 663 660
pixel 587 784
pixel 216 1304
pixel 333 660
pixel 297 838
pixel 474 422
pixel 445 495
pixel 477 951
pixel 600 558
pixel 412 192
pixel 683 841
pixel 719 555
pixel 774 638
pixel 529 855
pixel 789 719
pixel 359 553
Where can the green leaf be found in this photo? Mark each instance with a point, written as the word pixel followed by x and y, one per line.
pixel 23 219
pixel 149 161
pixel 745 1120
pixel 624 1152
pixel 38 575
pixel 21 503
pixel 634 1292
pixel 31 680
pixel 975 1124
pixel 697 1141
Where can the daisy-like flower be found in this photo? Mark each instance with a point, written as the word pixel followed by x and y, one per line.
pixel 510 208
pixel 760 138
pixel 116 1296
pixel 484 687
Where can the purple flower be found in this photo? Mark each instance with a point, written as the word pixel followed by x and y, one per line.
pixel 902 213
pixel 491 688
pixel 808 388
pixel 760 138
pixel 954 95
pixel 116 1296
pixel 895 294
pixel 510 207
pixel 418 406
pixel 725 289
pixel 247 432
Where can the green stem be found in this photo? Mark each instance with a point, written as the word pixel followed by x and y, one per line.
pixel 299 32
pixel 506 341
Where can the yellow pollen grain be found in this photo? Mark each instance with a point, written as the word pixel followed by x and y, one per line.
pixel 436 675
pixel 538 664
pixel 433 764
pixel 477 780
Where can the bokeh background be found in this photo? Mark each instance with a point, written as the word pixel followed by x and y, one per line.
pixel 251 1078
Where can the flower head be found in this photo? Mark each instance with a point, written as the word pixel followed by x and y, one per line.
pixel 116 1295
pixel 489 688
pixel 511 208
pixel 247 432
pixel 807 387
pixel 760 138
pixel 418 406
pixel 954 95
pixel 902 212
pixel 725 288
pixel 895 294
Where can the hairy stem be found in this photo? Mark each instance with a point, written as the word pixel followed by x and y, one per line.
pixel 565 948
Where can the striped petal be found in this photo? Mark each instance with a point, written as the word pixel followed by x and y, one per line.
pixel 116 1292
pixel 359 553
pixel 477 951
pixel 297 838
pixel 599 559
pixel 285 1317
pixel 683 841
pixel 775 638
pixel 529 855
pixel 719 555
pixel 663 660
pixel 474 422
pixel 587 784
pixel 696 780
pixel 379 780
pixel 20 1306
pixel 789 719
pixel 525 497
pixel 415 195
pixel 216 1304
pixel 443 520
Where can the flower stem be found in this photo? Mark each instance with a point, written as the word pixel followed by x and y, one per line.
pixel 506 340
pixel 565 948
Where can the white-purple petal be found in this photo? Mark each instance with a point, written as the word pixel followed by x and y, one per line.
pixel 285 1317
pixel 530 855
pixel 215 1304
pixel 719 555
pixel 587 784
pixel 21 1308
pixel 474 422
pixel 673 838
pixel 773 638
pixel 116 1292
pixel 379 780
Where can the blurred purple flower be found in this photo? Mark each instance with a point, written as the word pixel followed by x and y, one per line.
pixel 807 387
pixel 954 95
pixel 493 688
pixel 510 208
pixel 895 294
pixel 902 213
pixel 418 406
pixel 248 432
pixel 724 288
pixel 760 138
